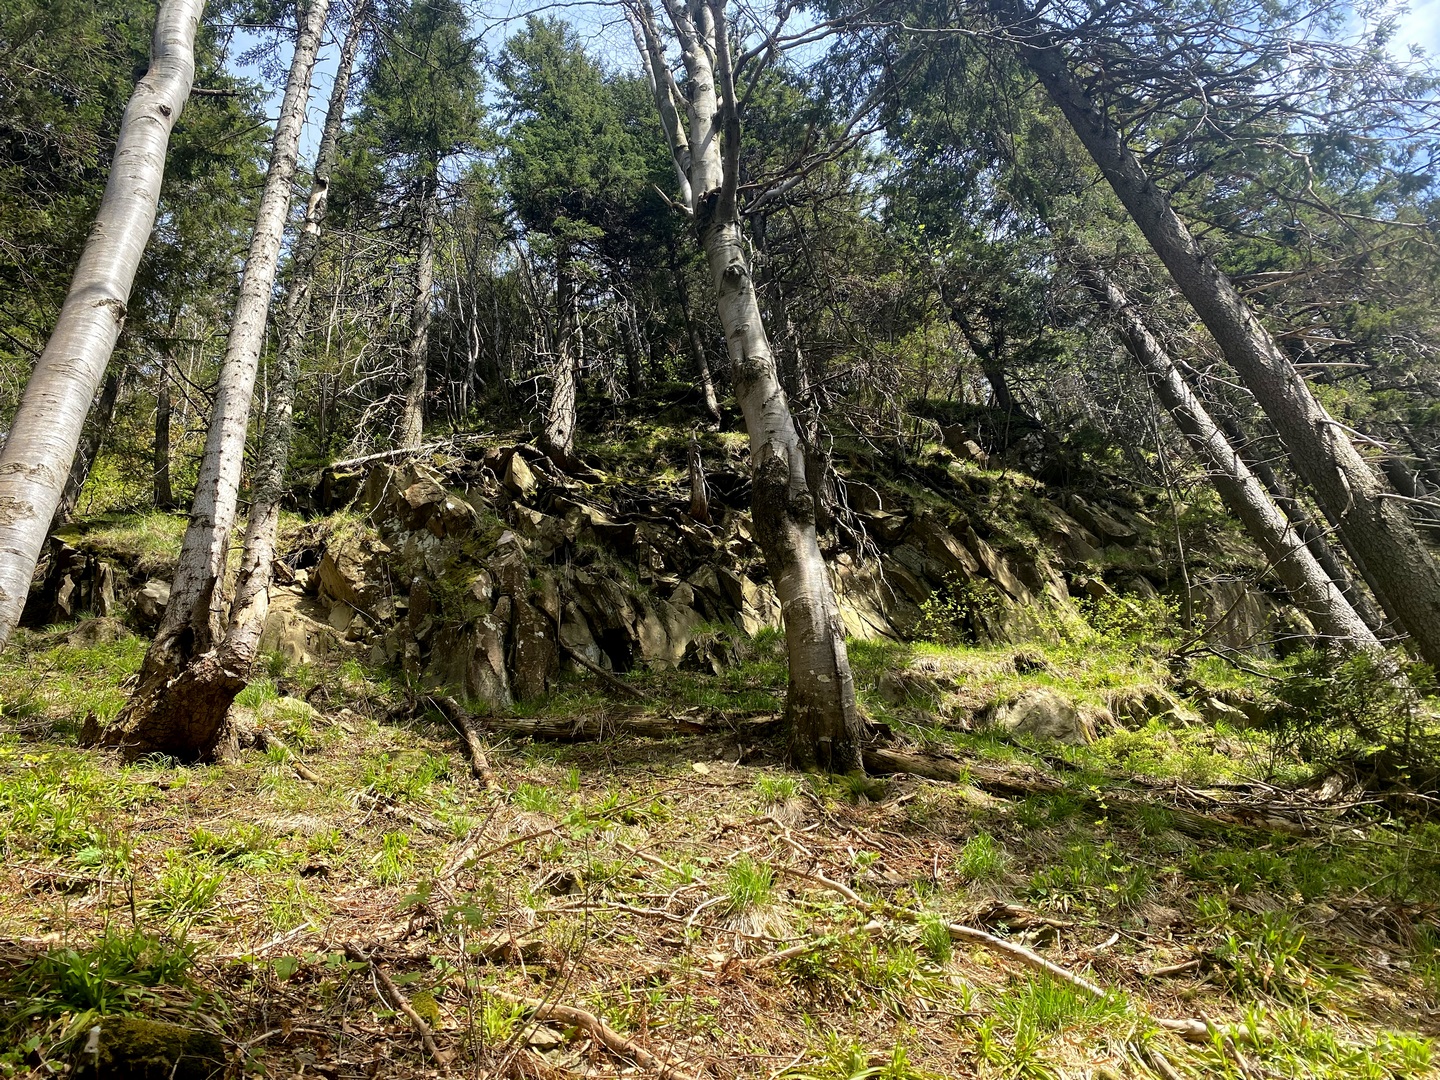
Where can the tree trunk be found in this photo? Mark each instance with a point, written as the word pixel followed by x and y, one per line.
pixel 1314 536
pixel 182 682
pixel 1308 584
pixel 252 586
pixel 822 720
pixel 417 353
pixel 697 353
pixel 1371 521
pixel 558 438
pixel 91 443
pixel 634 347
pixel 37 456
pixel 164 496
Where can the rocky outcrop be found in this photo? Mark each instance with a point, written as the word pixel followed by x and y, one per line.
pixel 1046 715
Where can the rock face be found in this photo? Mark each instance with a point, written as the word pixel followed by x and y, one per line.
pixel 488 576
pixel 1046 715
pixel 151 602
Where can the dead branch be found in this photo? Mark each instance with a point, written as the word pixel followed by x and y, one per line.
pixel 608 678
pixel 600 1031
pixel 399 1001
pixel 465 723
pixel 272 742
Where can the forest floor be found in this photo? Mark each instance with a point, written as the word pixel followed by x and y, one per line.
pixel 715 911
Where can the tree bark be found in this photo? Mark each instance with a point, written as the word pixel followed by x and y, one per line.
pixel 183 681
pixel 697 352
pixel 38 453
pixel 1308 584
pixel 417 353
pixel 823 723
pixel 164 495
pixel 1371 521
pixel 252 587
pixel 558 438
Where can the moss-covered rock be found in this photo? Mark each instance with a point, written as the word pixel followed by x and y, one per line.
pixel 140 1049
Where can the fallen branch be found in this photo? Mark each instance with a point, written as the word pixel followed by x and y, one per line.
pixel 633 721
pixel 1021 783
pixel 399 1001
pixel 1193 1030
pixel 468 726
pixel 608 678
pixel 598 1030
pixel 272 742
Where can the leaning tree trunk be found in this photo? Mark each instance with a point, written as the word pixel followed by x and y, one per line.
pixel 46 430
pixel 558 438
pixel 1308 584
pixel 176 708
pixel 1316 538
pixel 252 583
pixel 1371 521
pixel 822 720
pixel 417 352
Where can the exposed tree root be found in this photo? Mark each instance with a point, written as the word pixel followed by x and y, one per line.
pixel 270 741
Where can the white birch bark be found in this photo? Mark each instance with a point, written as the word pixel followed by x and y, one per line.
pixel 162 715
pixel 252 584
pixel 824 725
pixel 46 430
pixel 1290 557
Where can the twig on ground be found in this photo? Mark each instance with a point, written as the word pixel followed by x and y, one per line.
pixel 398 1000
pixel 270 741
pixel 600 1031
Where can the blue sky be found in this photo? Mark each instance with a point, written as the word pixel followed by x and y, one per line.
pixel 1419 25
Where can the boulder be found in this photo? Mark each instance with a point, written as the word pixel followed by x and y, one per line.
pixel 151 602
pixel 1044 714
pixel 535 659
pixel 663 632
pixel 353 571
pixel 1107 526
pixel 519 479
pixel 297 629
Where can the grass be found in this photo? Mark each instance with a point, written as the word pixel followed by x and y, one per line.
pixel 237 856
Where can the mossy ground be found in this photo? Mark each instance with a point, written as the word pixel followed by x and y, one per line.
pixel 660 876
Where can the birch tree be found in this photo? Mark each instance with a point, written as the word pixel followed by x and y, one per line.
pixel 43 438
pixel 824 726
pixel 175 709
pixel 252 587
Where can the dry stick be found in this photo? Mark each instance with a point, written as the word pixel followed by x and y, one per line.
pixel 270 741
pixel 401 1002
pixel 598 1030
pixel 465 723
pixel 608 678
pixel 1193 1030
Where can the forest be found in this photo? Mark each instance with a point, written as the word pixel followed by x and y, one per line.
pixel 819 540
